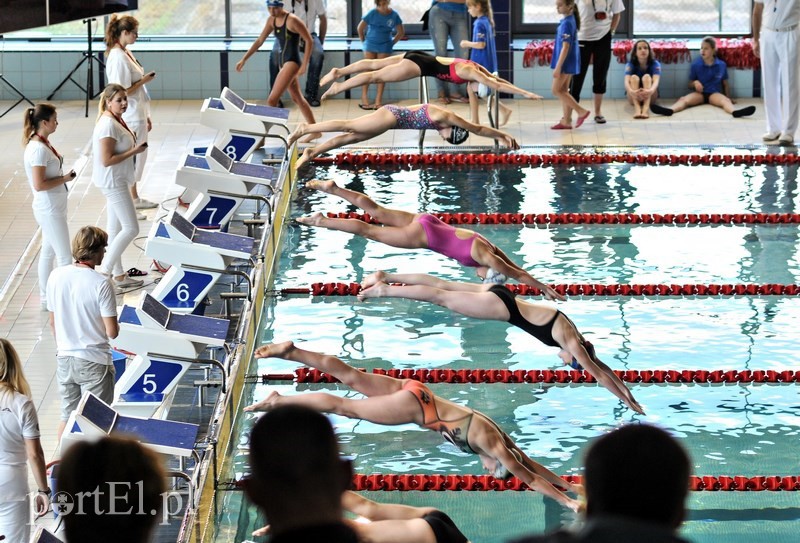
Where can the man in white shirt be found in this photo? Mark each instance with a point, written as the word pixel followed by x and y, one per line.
pixel 775 35
pixel 308 11
pixel 599 20
pixel 83 316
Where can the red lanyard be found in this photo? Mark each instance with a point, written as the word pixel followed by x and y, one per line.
pixel 125 126
pixel 47 143
pixel 86 263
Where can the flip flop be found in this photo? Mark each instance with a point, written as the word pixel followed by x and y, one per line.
pixel 560 126
pixel 582 118
pixel 599 119
pixel 367 107
pixel 136 272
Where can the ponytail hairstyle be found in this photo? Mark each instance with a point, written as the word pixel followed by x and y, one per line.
pixel 575 12
pixel 11 377
pixel 33 117
pixel 116 26
pixel 106 96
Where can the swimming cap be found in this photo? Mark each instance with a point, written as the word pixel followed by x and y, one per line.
pixel 274 3
pixel 494 277
pixel 458 135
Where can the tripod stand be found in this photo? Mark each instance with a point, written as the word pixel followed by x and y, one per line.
pixel 22 97
pixel 92 58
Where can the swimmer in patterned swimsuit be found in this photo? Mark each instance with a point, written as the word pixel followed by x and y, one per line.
pixel 402 401
pixel 422 231
pixel 416 64
pixel 496 302
pixel 453 128
pixel 395 523
pixel 289 30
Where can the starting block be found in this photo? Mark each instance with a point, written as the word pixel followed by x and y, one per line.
pixel 152 327
pixel 95 419
pixel 198 258
pixel 221 183
pixel 44 536
pixel 148 385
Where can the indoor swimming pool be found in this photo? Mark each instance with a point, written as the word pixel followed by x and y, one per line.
pixel 729 429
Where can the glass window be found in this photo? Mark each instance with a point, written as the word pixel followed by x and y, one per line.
pixel 172 18
pixel 692 16
pixel 409 10
pixel 248 17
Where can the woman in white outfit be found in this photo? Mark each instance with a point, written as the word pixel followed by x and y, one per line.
pixel 19 441
pixel 43 166
pixel 113 147
pixel 123 68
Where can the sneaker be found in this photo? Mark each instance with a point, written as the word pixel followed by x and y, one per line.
pixel 744 112
pixel 786 139
pixel 141 217
pixel 141 203
pixel 127 282
pixel 771 136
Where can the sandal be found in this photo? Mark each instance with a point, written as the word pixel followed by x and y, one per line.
pixel 561 126
pixel 367 107
pixel 599 119
pixel 136 272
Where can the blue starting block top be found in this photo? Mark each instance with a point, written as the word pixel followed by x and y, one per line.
pixel 196 161
pixel 43 536
pixel 193 325
pixel 128 316
pixel 99 413
pixel 238 102
pixel 222 240
pixel 243 169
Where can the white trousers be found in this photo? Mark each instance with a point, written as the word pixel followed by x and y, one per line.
pixel 55 246
pixel 122 227
pixel 780 77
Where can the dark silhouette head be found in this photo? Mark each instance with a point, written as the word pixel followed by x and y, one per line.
pixel 616 465
pixel 297 476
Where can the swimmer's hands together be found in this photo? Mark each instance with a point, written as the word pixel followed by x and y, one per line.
pixel 510 142
pixel 551 294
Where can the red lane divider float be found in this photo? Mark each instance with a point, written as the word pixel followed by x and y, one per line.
pixel 598 218
pixel 555 159
pixel 566 376
pixel 587 289
pixel 484 483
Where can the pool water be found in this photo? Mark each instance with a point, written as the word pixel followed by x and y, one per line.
pixel 728 429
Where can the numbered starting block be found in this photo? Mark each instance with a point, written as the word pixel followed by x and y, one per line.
pixel 222 184
pixel 148 385
pixel 153 328
pixel 95 419
pixel 178 242
pixel 243 127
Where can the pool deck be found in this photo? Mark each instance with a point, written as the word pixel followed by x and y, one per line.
pixel 177 128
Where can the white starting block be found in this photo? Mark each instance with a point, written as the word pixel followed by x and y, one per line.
pixel 242 126
pixel 148 385
pixel 221 184
pixel 95 419
pixel 153 328
pixel 178 242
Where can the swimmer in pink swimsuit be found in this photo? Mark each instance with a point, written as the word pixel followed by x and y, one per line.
pixel 415 64
pixel 422 231
pixel 394 401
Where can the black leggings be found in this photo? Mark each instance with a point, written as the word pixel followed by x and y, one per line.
pixel 601 50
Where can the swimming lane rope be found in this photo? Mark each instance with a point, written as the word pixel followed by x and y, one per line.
pixel 554 159
pixel 599 218
pixel 593 289
pixel 547 376
pixel 722 483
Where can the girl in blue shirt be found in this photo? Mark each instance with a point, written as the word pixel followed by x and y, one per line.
pixel 642 74
pixel 483 52
pixel 708 79
pixel 566 63
pixel 378 31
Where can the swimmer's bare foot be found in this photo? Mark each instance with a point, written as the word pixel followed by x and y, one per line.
pixel 532 96
pixel 311 220
pixel 266 404
pixel 298 133
pixel 332 91
pixel 373 278
pixel 322 186
pixel 274 350
pixel 378 290
pixel 644 114
pixel 329 77
pixel 307 156
pixel 311 137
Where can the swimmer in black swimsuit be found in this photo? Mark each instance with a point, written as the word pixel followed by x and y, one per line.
pixel 415 64
pixel 495 302
pixel 395 401
pixel 395 523
pixel 289 29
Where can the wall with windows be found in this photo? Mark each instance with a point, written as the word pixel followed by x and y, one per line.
pixel 193 59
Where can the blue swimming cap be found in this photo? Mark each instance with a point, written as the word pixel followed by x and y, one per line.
pixel 274 3
pixel 458 135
